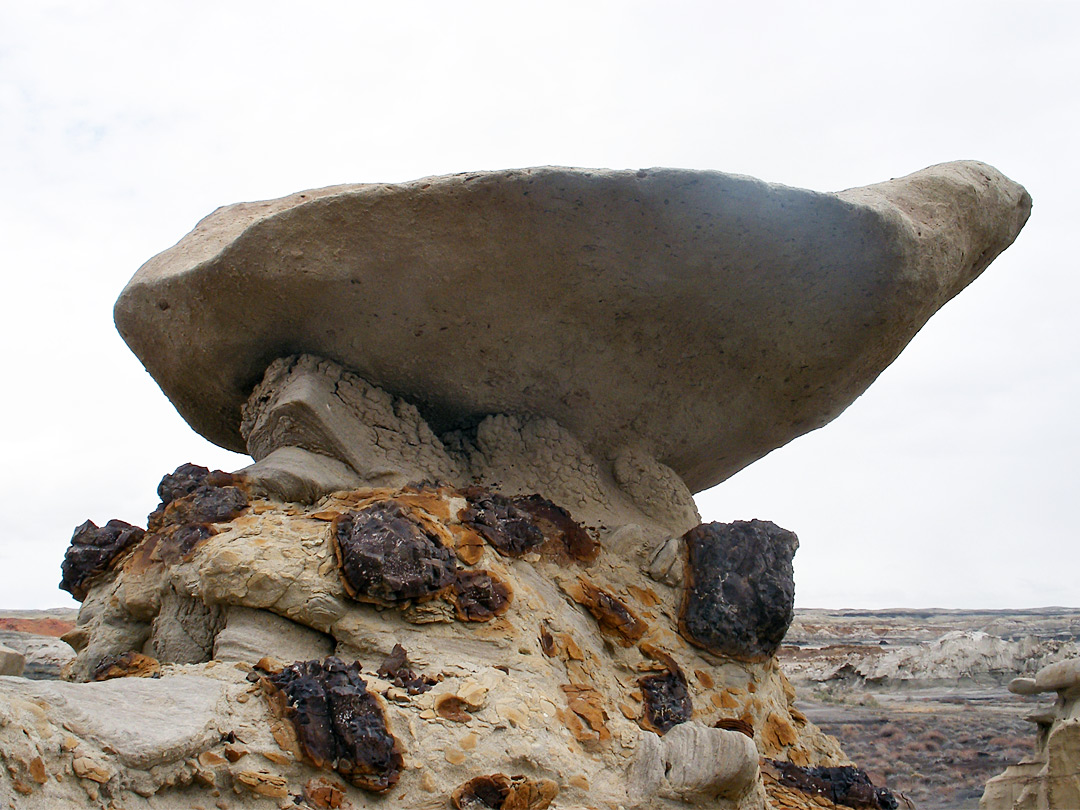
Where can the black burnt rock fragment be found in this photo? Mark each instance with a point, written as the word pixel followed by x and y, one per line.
pixel 846 785
pixel 93 550
pixel 666 695
pixel 395 669
pixel 210 505
pixel 480 596
pixel 175 543
pixel 338 723
pixel 556 523
pixel 739 597
pixel 194 494
pixel 482 792
pixel 180 483
pixel 386 557
pixel 498 791
pixel 499 520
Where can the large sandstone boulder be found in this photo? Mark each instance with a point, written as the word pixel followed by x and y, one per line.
pixel 699 318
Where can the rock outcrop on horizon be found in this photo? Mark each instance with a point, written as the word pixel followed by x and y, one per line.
pixel 465 568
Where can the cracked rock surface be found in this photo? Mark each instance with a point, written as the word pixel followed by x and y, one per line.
pixel 548 700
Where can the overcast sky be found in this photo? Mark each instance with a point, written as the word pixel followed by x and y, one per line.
pixel 952 482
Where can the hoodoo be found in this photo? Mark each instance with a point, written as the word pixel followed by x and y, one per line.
pixel 466 568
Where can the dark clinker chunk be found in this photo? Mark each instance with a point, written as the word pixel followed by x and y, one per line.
pixel 739 597
pixel 385 557
pixel 194 494
pixel 338 723
pixel 395 668
pixel 666 695
pixel 845 785
pixel 498 791
pixel 92 551
pixel 498 519
pixel 556 524
pixel 207 505
pixel 480 596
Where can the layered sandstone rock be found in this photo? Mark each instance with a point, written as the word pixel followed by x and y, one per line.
pixel 489 635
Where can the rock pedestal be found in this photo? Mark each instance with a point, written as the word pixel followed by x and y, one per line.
pixel 465 568
pixel 492 633
pixel 1050 778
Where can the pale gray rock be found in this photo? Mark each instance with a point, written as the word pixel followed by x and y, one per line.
pixel 316 428
pixel 957 658
pixel 12 661
pixel 1050 778
pixel 250 635
pixel 298 475
pixel 1059 676
pixel 1023 686
pixel 183 632
pixel 521 455
pixel 703 317
pixel 105 627
pixel 44 656
pixel 316 405
pixel 694 763
pixel 656 489
pixel 667 562
pixel 702 762
pixel 143 721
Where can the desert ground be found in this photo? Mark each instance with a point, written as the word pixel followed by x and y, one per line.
pixel 919 698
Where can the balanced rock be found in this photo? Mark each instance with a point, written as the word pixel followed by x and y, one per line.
pixel 699 318
pixel 1050 777
pixel 1060 676
pixel 478 407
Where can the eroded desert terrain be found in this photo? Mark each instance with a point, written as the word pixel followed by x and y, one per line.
pixel 918 697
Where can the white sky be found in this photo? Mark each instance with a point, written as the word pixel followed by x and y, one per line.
pixel 949 483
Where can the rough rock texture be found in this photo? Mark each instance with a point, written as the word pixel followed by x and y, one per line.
pixel 1050 778
pixel 315 428
pixel 559 695
pixel 845 785
pixel 740 587
pixel 338 723
pixel 478 407
pixel 12 662
pixel 957 658
pixel 93 549
pixel 851 651
pixel 44 656
pixel 698 318
pixel 386 557
pixel 501 792
pixel 250 635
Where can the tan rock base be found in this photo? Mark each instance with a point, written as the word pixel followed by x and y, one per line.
pixel 550 690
